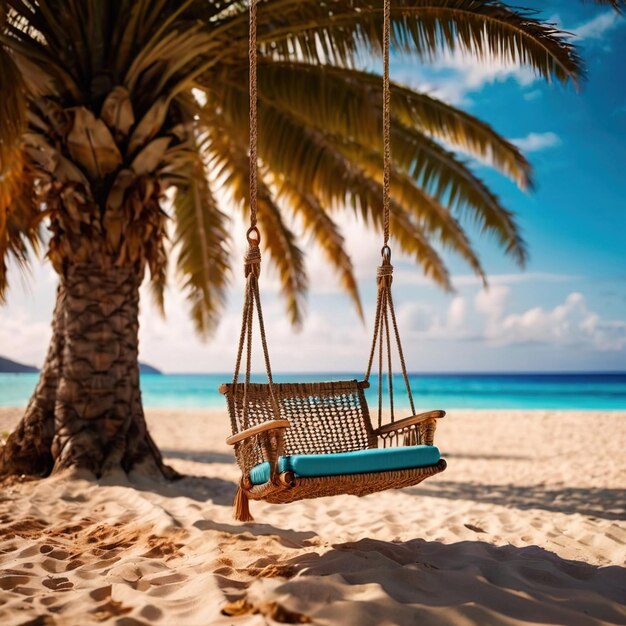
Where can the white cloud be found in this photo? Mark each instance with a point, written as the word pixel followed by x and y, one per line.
pixel 418 322
pixel 476 73
pixel 457 313
pixel 492 302
pixel 535 94
pixel 535 142
pixel 597 27
pixel 23 339
pixel 413 276
pixel 569 323
pixel 455 74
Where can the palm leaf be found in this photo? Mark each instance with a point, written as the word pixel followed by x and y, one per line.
pixel 325 232
pixel 12 110
pixel 618 5
pixel 200 241
pixel 17 228
pixel 432 168
pixel 310 162
pixel 230 163
pixel 338 34
pixel 19 221
pixel 350 102
pixel 433 218
pixel 280 242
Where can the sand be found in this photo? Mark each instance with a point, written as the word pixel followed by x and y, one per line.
pixel 527 526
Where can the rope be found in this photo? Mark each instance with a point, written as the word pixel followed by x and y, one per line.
pixel 242 339
pixel 249 322
pixel 388 342
pixel 380 374
pixel 252 259
pixel 252 56
pixel 386 118
pixel 384 274
pixel 376 324
pixel 400 352
pixel 266 354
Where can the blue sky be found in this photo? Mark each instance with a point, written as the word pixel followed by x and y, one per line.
pixel 566 311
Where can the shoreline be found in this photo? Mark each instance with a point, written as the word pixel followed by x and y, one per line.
pixel 12 409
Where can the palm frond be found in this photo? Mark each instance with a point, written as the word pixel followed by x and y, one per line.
pixel 306 158
pixel 19 221
pixel 230 163
pixel 617 5
pixel 201 234
pixel 12 112
pixel 158 284
pixel 433 168
pixel 18 229
pixel 434 219
pixel 33 53
pixel 326 234
pixel 338 171
pixel 338 34
pixel 280 242
pixel 350 102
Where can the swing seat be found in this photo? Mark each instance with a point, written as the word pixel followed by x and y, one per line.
pixel 306 440
pixel 357 462
pixel 325 444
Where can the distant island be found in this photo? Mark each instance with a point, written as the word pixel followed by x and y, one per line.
pixel 13 367
pixel 7 366
pixel 144 368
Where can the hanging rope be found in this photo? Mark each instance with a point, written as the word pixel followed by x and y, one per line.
pixel 384 303
pixel 252 259
pixel 386 119
pixel 252 59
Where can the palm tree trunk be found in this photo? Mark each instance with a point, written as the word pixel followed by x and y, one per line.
pixel 86 411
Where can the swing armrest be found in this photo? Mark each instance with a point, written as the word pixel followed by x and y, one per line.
pixel 257 430
pixel 407 422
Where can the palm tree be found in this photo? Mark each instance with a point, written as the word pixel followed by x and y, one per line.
pixel 119 116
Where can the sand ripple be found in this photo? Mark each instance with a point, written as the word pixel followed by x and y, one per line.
pixel 520 530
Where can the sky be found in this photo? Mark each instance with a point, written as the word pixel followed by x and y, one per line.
pixel 565 312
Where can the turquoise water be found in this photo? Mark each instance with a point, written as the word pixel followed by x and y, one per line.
pixel 448 391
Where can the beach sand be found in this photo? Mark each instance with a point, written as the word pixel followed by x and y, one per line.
pixel 527 525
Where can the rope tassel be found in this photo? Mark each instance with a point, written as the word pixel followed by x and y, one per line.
pixel 241 506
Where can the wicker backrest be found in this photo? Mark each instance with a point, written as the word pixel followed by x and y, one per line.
pixel 324 417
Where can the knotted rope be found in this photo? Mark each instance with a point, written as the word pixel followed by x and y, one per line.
pixel 384 273
pixel 252 258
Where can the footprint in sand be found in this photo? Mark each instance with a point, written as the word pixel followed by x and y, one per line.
pixel 168 579
pixel 10 582
pixel 151 612
pixel 58 584
pixel 53 566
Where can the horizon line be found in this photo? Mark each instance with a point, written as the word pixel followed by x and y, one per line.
pixel 415 373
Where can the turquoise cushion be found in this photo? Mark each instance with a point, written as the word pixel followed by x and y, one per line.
pixel 357 462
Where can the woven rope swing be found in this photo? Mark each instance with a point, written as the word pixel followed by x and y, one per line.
pixel 306 440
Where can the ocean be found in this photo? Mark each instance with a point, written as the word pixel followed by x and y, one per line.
pixel 431 391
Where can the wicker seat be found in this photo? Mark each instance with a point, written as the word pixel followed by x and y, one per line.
pixel 318 418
